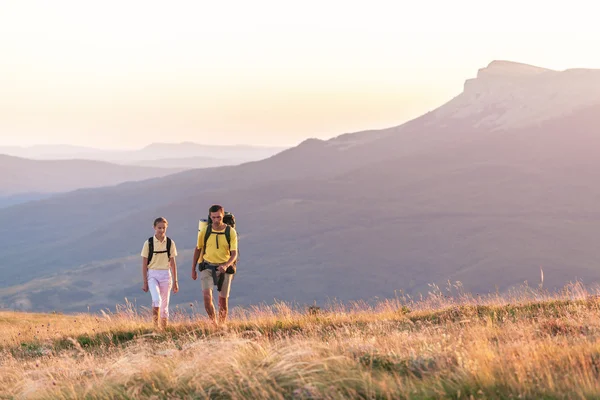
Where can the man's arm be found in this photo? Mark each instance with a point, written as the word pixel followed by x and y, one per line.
pixel 197 254
pixel 229 262
pixel 195 259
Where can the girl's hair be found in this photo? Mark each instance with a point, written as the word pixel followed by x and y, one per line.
pixel 159 220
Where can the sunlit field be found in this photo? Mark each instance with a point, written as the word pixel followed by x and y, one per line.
pixel 529 344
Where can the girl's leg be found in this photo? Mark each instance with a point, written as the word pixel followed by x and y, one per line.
pixel 165 295
pixel 153 286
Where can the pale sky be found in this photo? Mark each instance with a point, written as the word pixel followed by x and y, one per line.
pixel 122 74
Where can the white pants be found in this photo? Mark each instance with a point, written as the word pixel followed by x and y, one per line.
pixel 159 283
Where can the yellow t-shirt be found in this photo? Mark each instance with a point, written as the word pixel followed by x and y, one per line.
pixel 223 253
pixel 159 260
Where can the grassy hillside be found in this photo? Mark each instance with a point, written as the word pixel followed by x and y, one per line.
pixel 449 345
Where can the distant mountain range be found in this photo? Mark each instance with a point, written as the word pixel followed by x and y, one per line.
pixel 496 184
pixel 166 155
pixel 53 169
pixel 23 176
pixel 13 199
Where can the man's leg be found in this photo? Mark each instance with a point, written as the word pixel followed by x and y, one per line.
pixel 206 281
pixel 223 309
pixel 224 298
pixel 208 305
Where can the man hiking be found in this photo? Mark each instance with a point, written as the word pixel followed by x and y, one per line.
pixel 217 253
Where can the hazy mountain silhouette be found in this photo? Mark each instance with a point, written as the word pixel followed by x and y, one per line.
pixel 22 176
pixel 50 151
pixel 166 155
pixel 14 199
pixel 486 189
pixel 189 149
pixel 190 162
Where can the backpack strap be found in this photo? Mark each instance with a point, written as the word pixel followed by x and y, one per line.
pixel 228 237
pixel 228 234
pixel 207 235
pixel 150 249
pixel 209 232
pixel 220 282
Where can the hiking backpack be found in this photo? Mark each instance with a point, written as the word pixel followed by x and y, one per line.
pixel 151 251
pixel 229 220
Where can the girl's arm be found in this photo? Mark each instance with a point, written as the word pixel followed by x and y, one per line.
pixel 145 274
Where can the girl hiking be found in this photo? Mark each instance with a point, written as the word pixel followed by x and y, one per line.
pixel 159 271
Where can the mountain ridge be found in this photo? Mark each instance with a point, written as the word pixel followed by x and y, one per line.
pixel 52 176
pixel 156 150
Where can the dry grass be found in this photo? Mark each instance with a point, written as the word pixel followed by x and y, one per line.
pixel 529 345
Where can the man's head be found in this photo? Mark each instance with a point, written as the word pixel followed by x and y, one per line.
pixel 216 213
